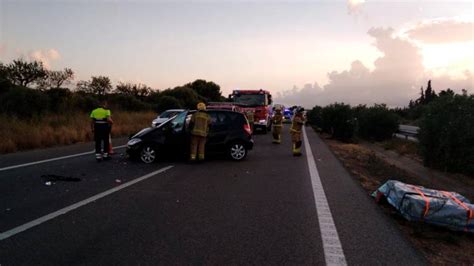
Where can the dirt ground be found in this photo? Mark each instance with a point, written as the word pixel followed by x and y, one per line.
pixel 372 166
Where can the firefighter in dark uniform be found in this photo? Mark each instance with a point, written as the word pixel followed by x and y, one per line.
pixel 101 121
pixel 200 122
pixel 277 122
pixel 295 131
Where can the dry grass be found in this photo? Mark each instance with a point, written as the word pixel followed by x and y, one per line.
pixel 55 130
pixel 401 146
pixel 440 246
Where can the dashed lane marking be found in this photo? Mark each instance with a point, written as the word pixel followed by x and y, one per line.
pixel 67 209
pixel 52 159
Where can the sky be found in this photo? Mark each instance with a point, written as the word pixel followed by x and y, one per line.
pixel 304 52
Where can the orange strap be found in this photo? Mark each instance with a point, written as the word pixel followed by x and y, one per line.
pixel 427 202
pixel 470 213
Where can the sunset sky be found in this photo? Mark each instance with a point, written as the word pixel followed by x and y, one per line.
pixel 305 52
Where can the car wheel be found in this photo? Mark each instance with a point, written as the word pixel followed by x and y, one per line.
pixel 148 154
pixel 237 151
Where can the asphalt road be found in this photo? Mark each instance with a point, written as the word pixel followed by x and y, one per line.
pixel 259 211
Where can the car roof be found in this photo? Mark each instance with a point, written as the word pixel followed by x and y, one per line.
pixel 175 110
pixel 220 111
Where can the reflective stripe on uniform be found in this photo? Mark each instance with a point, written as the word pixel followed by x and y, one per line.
pixel 201 124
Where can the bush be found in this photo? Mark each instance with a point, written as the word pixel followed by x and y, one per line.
pixel 447 134
pixel 168 102
pixel 84 102
pixel 376 122
pixel 127 103
pixel 60 99
pixel 337 120
pixel 315 116
pixel 23 102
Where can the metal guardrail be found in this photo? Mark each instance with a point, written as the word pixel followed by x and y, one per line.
pixel 407 132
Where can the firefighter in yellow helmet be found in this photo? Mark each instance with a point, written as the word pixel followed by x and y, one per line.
pixel 200 122
pixel 277 122
pixel 295 131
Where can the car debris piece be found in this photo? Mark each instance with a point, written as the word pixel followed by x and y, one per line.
pixel 417 203
pixel 55 178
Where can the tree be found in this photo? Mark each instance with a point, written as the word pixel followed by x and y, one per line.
pixel 23 73
pixel 167 102
pixel 446 134
pixel 448 92
pixel 100 85
pixel 187 97
pixel 430 94
pixel 136 90
pixel 56 78
pixel 84 86
pixel 207 89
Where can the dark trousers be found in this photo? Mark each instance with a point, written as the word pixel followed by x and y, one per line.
pixel 101 136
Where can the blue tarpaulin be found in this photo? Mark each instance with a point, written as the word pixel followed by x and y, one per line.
pixel 416 203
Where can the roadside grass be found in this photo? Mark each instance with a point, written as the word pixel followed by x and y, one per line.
pixel 401 146
pixel 54 130
pixel 440 246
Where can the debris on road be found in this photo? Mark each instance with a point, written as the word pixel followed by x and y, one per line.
pixel 118 181
pixel 417 203
pixel 54 178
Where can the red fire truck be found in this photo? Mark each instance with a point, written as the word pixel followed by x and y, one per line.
pixel 258 100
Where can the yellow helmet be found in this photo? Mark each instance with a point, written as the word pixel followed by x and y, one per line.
pixel 201 106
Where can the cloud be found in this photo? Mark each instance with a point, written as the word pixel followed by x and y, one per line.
pixel 442 31
pixel 354 6
pixel 45 56
pixel 396 78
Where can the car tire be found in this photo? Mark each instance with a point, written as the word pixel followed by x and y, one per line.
pixel 148 154
pixel 237 151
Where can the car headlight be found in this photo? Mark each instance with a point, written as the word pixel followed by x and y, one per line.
pixel 133 142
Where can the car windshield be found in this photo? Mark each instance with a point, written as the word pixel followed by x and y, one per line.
pixel 250 99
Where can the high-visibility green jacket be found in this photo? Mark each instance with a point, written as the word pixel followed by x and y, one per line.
pixel 200 121
pixel 297 124
pixel 277 120
pixel 100 115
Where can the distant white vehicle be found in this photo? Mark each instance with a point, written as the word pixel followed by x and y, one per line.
pixel 165 116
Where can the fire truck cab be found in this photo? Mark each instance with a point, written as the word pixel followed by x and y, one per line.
pixel 260 101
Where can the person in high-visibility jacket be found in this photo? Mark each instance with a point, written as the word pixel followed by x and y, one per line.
pixel 251 118
pixel 101 121
pixel 277 122
pixel 295 131
pixel 200 122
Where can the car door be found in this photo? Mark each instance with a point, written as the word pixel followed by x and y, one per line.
pixel 217 132
pixel 176 137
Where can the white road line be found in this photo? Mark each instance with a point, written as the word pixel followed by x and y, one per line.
pixel 52 159
pixel 333 252
pixel 65 210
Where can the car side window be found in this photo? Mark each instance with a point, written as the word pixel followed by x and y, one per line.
pixel 178 123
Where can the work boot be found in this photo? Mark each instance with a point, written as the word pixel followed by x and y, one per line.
pixel 106 157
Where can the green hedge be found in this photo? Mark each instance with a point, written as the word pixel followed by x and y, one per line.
pixel 447 134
